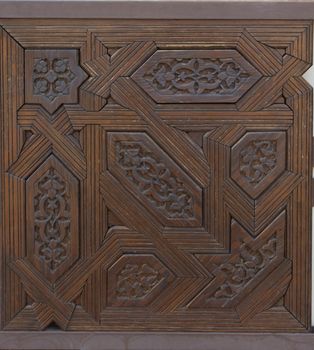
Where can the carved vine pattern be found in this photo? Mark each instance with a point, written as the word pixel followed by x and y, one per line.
pixel 248 265
pixel 136 281
pixel 196 76
pixel 257 159
pixel 52 219
pixel 155 180
pixel 52 78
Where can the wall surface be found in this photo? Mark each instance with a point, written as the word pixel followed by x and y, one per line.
pixel 140 341
pixel 309 76
pixel 200 9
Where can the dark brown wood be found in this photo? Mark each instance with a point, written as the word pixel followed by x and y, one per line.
pixel 155 175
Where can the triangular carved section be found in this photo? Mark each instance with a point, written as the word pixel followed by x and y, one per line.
pixel 278 103
pixel 76 137
pixel 111 221
pixel 112 104
pixel 91 102
pixel 114 51
pixel 26 137
pixel 240 276
pixel 197 137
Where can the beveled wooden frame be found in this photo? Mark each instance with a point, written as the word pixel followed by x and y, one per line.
pixel 298 44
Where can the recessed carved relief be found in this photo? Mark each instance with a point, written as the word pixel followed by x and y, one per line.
pixel 52 218
pixel 161 160
pixel 249 264
pixel 257 160
pixel 154 176
pixel 245 268
pixel 196 76
pixel 52 77
pixel 52 225
pixel 154 180
pixel 136 280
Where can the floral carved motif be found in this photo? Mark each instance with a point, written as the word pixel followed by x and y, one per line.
pixel 52 78
pixel 136 281
pixel 249 263
pixel 154 179
pixel 196 76
pixel 257 159
pixel 52 219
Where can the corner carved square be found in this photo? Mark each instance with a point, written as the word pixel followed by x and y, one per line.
pixel 52 77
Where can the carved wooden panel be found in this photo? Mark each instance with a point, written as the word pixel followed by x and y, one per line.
pixel 151 174
pixel 196 76
pixel 136 280
pixel 155 175
pixel 52 218
pixel 52 77
pixel 257 160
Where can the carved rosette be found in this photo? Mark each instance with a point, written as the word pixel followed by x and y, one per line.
pixel 52 219
pixel 52 77
pixel 257 160
pixel 193 76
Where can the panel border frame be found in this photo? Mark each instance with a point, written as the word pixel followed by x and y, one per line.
pixel 299 86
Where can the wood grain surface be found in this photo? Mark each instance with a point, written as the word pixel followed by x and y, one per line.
pixel 155 175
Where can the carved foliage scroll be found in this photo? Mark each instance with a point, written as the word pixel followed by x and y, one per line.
pixel 136 280
pixel 52 230
pixel 155 177
pixel 249 264
pixel 257 160
pixel 193 188
pixel 245 269
pixel 196 76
